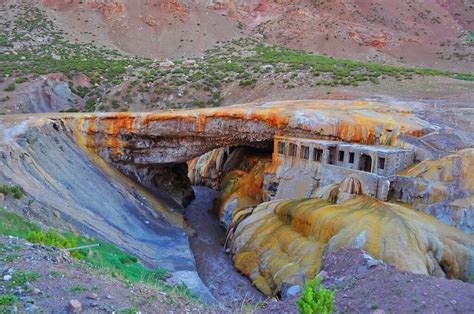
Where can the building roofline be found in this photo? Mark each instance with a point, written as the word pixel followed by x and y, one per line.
pixel 378 148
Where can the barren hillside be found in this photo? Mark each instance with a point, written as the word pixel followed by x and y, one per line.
pixel 431 33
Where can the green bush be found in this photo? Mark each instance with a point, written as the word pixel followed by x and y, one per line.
pixel 22 79
pixel 248 82
pixel 90 105
pixel 315 298
pixel 115 104
pixel 7 300
pixel 15 190
pixel 10 87
pixel 51 238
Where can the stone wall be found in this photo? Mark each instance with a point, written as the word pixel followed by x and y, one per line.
pixel 329 174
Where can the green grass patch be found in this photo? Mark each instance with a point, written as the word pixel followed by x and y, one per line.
pixel 106 256
pixel 20 80
pixel 338 67
pixel 20 278
pixel 80 288
pixel 9 258
pixel 14 225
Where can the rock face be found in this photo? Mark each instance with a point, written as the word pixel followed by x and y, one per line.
pixel 50 93
pixel 443 188
pixel 171 179
pixel 76 190
pixel 282 242
pixel 242 187
pixel 238 175
pixel 146 138
pixel 207 169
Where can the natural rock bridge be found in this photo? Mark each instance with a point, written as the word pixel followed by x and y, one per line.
pixel 150 138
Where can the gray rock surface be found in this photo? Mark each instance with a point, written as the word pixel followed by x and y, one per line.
pixel 73 188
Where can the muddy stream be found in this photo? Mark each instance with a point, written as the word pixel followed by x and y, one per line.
pixel 214 266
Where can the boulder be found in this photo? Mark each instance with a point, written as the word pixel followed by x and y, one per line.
pixel 74 306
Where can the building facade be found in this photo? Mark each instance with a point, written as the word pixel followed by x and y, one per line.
pixel 307 164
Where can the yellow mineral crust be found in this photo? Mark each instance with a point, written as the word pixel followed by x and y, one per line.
pixel 282 241
pixel 243 186
pixel 446 169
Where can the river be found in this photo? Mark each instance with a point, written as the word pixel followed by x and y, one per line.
pixel 214 266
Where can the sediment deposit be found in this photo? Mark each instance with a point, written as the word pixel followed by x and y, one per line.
pixel 283 241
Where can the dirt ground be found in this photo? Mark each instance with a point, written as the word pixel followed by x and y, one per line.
pixel 60 278
pixel 363 288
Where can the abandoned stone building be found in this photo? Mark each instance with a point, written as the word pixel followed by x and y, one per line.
pixel 303 165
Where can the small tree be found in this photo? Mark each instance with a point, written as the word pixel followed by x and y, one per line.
pixel 315 298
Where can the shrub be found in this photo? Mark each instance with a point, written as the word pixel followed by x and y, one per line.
pixel 248 82
pixel 22 79
pixel 115 104
pixel 90 105
pixel 315 298
pixel 8 300
pixel 51 238
pixel 10 87
pixel 15 190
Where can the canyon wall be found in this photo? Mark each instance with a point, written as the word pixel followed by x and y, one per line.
pixel 68 187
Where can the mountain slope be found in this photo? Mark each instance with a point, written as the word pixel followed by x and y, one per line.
pixel 432 33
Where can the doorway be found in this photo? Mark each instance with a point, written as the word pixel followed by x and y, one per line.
pixel 365 163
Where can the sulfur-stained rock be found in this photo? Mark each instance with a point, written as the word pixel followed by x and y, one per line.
pixel 180 136
pixel 207 169
pixel 444 188
pixel 281 240
pixel 242 188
